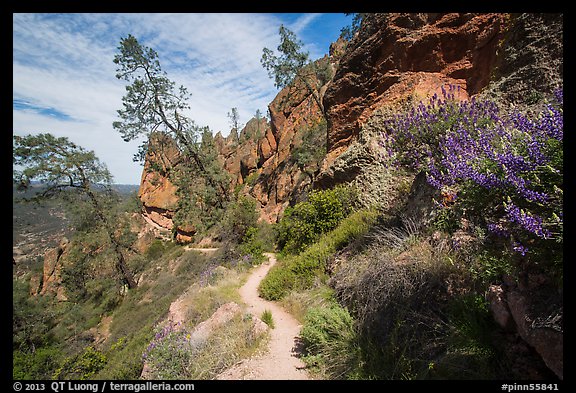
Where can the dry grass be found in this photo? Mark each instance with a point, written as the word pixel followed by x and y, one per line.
pixel 397 290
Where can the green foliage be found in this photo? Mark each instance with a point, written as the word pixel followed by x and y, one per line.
pixel 310 153
pixel 144 112
pixel 124 357
pixel 81 366
pixel 331 341
pixel 58 162
pixel 33 319
pixel 200 183
pixel 303 224
pixel 267 318
pixel 192 264
pixel 239 217
pixel 446 219
pixel 471 352
pixel 251 179
pixel 292 67
pixel 285 67
pixel 301 271
pixel 37 365
pixel 156 249
pixel 252 245
pixel 348 32
pixel 201 180
pixel 75 174
pixel 489 269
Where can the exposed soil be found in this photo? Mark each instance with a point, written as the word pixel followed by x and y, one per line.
pixel 282 359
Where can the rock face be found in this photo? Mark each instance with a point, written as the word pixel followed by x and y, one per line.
pixel 157 193
pixel 530 58
pixel 51 278
pixel 259 159
pixel 398 58
pixel 533 311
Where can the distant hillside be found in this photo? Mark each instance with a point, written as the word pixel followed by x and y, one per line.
pixel 125 189
pixel 38 227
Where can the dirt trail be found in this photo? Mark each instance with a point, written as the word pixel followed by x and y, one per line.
pixel 281 361
pixel 204 250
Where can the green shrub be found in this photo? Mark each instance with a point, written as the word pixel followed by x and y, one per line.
pixel 156 249
pixel 238 218
pixel 251 179
pixel 330 341
pixel 309 154
pixel 252 245
pixel 300 271
pixel 489 269
pixel 37 365
pixel 471 351
pixel 82 366
pixel 303 224
pixel 267 318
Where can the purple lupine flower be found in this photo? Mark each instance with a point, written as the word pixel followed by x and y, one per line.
pixel 498 230
pixel 529 222
pixel 519 248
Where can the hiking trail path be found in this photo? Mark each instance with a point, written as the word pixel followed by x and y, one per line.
pixel 281 361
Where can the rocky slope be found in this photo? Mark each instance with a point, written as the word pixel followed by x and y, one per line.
pixel 393 61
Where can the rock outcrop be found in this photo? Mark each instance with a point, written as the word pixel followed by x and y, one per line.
pixel 396 59
pixel 157 193
pixel 530 58
pixel 51 274
pixel 259 160
pixel 532 310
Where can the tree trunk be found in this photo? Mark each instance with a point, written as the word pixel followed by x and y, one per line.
pixel 127 275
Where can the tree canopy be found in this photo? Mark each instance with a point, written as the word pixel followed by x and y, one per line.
pixel 68 170
pixel 293 67
pixel 153 104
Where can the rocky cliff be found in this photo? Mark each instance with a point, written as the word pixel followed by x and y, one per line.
pixel 157 193
pixel 260 159
pixel 50 282
pixel 264 159
pixel 395 60
pixel 392 62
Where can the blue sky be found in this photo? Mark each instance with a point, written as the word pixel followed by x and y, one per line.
pixel 64 78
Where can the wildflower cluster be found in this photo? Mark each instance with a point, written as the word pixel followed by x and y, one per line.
pixel 207 276
pixel 169 353
pixel 507 168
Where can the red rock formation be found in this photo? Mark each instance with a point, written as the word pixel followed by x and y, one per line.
pixel 51 278
pixel 262 153
pixel 397 57
pixel 157 193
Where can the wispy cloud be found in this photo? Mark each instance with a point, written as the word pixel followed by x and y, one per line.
pixel 303 22
pixel 64 77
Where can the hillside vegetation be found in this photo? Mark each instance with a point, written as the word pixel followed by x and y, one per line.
pixel 416 215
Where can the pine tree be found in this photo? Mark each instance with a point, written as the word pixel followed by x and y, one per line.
pixel 77 176
pixel 153 104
